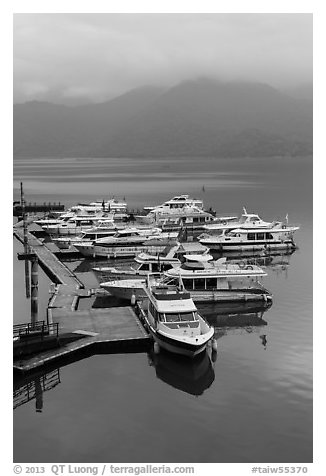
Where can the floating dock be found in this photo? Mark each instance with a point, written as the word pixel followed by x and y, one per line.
pixel 114 329
pixel 18 209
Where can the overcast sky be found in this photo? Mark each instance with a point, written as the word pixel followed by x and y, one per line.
pixel 78 58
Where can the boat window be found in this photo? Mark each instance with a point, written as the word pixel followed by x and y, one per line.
pixel 153 311
pixel 172 317
pixel 180 317
pixel 186 316
pixel 260 236
pixel 199 283
pixel 211 283
pixel 144 267
pixel 155 267
pixel 188 283
pixel 251 236
pixel 269 236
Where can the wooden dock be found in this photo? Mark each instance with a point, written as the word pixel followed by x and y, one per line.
pixel 36 208
pixel 58 272
pixel 114 329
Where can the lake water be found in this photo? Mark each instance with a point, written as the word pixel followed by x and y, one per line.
pixel 253 404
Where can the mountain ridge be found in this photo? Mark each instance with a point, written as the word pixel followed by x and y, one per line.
pixel 195 117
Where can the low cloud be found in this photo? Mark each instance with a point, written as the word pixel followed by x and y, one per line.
pixel 73 58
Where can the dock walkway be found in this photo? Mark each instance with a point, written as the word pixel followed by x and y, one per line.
pixel 52 266
pixel 114 329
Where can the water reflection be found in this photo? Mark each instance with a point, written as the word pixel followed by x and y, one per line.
pixel 237 314
pixel 32 387
pixel 192 376
pixel 236 317
pixel 273 260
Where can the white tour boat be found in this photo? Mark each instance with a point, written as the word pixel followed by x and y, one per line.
pixel 143 265
pixel 247 220
pixel 220 281
pixel 188 216
pixel 118 208
pixel 75 225
pixel 103 229
pixel 206 281
pixel 146 263
pixel 177 202
pixel 128 242
pixel 278 237
pixel 173 320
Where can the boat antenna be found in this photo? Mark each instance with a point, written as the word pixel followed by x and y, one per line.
pixel 287 218
pixel 245 211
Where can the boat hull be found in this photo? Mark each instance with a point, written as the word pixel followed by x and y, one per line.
pixel 220 246
pixel 173 345
pixel 135 287
pixel 126 292
pixel 117 251
pixel 177 347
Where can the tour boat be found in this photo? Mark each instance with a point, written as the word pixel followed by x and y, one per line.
pixel 188 216
pixel 279 236
pixel 144 264
pixel 75 225
pixel 247 220
pixel 219 280
pixel 177 202
pixel 173 320
pixel 206 280
pixel 118 208
pixel 128 242
pixel 102 229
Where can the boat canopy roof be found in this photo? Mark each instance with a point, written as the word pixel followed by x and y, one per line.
pixel 275 229
pixel 198 258
pixel 194 247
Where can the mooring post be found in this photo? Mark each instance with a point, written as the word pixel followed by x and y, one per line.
pixel 38 395
pixel 34 290
pixel 26 247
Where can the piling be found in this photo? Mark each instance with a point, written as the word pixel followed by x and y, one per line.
pixel 34 289
pixel 26 246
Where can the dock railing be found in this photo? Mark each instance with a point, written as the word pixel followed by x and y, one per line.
pixel 38 329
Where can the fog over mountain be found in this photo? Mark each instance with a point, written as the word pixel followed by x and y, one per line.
pixel 195 117
pixel 158 84
pixel 78 58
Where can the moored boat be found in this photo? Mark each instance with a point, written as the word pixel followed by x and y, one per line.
pixel 128 242
pixel 278 237
pixel 206 281
pixel 144 264
pixel 247 220
pixel 173 320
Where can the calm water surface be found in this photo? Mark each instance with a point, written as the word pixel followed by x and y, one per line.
pixel 253 404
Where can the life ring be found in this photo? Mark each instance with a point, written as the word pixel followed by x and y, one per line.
pixel 242 264
pixel 249 267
